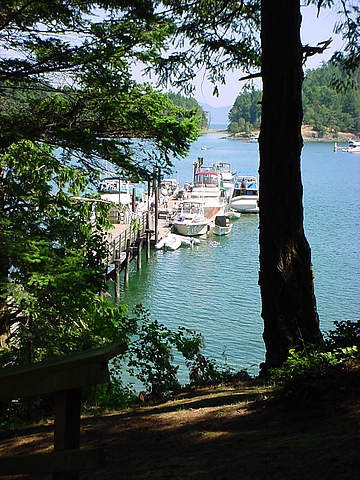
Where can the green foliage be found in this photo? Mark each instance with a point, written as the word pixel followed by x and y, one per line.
pixel 345 334
pixel 325 108
pixel 308 374
pixel 67 104
pixel 205 372
pixel 151 358
pixel 245 114
pixel 190 104
pixel 311 364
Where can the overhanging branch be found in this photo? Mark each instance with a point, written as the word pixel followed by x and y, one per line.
pixel 309 51
pixel 251 76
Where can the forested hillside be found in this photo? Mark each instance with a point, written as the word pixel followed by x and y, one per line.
pixel 189 103
pixel 325 108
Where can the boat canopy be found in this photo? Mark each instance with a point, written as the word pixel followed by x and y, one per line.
pixel 248 182
pixel 206 177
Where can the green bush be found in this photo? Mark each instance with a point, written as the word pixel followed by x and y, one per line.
pixel 345 334
pixel 316 370
pixel 151 355
pixel 204 372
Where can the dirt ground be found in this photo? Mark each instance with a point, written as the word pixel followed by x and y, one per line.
pixel 221 433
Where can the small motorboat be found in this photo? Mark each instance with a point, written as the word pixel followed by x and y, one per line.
pixel 191 221
pixel 170 242
pixel 187 241
pixel 353 147
pixel 222 225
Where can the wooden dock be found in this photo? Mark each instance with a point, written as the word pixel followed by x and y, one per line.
pixel 126 242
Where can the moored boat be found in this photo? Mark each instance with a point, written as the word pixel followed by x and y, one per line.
pixel 222 225
pixel 226 176
pixel 207 188
pixel 191 220
pixel 353 147
pixel 170 242
pixel 245 198
pixel 116 190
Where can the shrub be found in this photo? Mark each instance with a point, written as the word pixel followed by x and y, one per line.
pixel 204 371
pixel 345 334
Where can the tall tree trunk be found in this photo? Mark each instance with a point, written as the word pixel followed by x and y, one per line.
pixel 4 271
pixel 285 277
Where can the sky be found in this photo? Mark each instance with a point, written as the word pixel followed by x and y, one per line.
pixel 313 30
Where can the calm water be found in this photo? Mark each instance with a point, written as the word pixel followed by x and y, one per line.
pixel 213 288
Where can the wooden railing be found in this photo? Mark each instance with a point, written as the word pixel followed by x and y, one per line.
pixel 137 225
pixel 64 378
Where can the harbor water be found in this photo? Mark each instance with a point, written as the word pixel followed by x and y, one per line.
pixel 213 288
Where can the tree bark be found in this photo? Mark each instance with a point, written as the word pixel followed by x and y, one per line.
pixel 4 272
pixel 285 277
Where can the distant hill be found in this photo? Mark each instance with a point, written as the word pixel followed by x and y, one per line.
pixel 216 115
pixel 328 110
pixel 189 103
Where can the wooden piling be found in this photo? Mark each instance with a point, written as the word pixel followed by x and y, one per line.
pixel 133 202
pixel 117 279
pixel 139 254
pixel 148 236
pixel 127 262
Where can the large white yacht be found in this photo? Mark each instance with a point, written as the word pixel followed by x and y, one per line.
pixel 206 187
pixel 226 176
pixel 245 198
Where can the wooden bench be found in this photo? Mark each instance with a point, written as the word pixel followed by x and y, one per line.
pixel 64 377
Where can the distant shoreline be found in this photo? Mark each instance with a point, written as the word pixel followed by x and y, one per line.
pixel 308 135
pixel 216 130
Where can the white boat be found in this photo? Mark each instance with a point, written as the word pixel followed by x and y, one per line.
pixel 187 241
pixel 116 190
pixel 170 242
pixel 253 138
pixel 245 198
pixel 227 177
pixel 231 214
pixel 222 225
pixel 206 187
pixel 191 220
pixel 353 147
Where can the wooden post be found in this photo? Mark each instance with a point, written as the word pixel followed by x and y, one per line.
pixel 127 262
pixel 156 211
pixel 133 200
pixel 67 426
pixel 139 254
pixel 148 235
pixel 117 279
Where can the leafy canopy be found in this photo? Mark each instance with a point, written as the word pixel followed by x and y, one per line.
pixel 68 104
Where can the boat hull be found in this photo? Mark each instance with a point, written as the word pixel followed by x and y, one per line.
pixel 170 242
pixel 190 229
pixel 217 230
pixel 245 204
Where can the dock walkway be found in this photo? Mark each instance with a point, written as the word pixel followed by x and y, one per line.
pixel 123 235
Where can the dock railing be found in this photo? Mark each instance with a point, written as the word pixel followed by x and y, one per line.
pixel 137 223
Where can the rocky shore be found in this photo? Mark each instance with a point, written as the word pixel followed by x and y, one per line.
pixel 308 134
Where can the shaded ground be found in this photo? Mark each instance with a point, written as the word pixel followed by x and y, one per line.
pixel 218 434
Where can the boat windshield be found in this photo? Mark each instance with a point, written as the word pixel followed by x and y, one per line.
pixel 206 178
pixel 189 207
